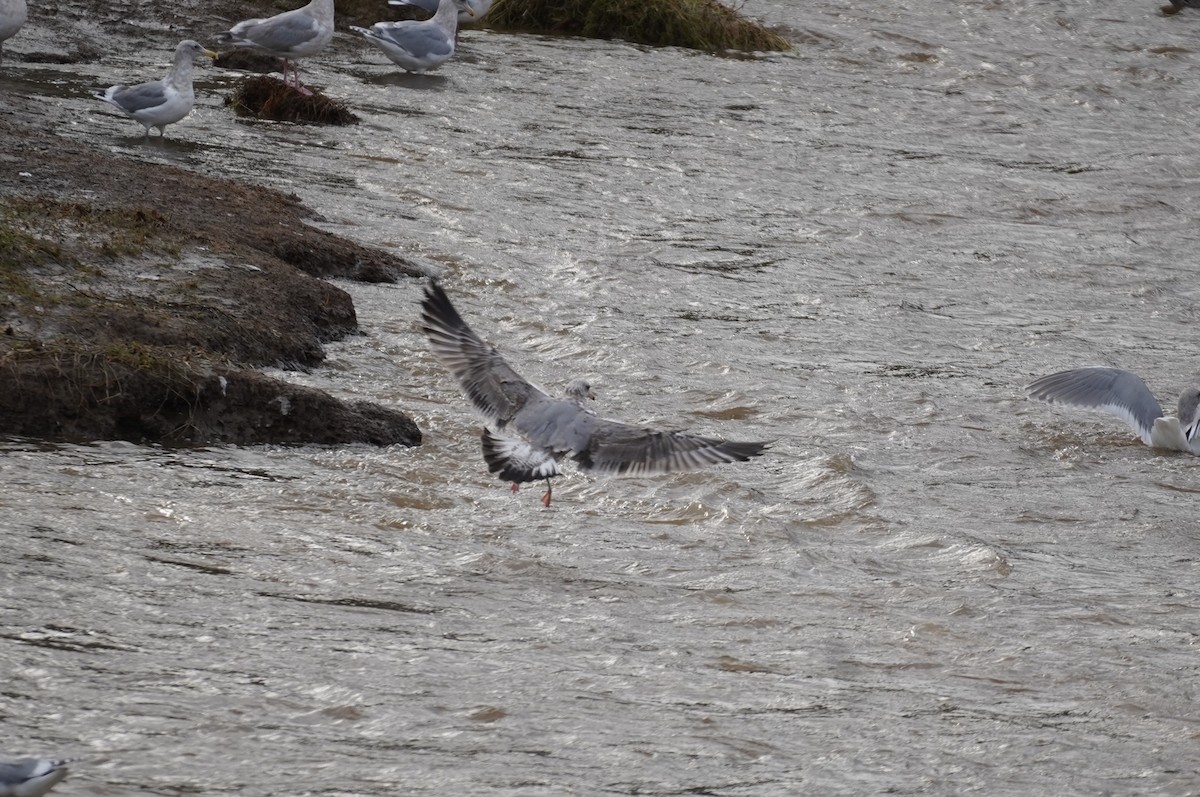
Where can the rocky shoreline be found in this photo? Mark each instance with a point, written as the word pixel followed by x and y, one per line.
pixel 134 307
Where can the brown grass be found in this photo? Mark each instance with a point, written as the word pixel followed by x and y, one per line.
pixel 267 98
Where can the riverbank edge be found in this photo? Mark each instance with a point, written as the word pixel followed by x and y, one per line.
pixel 137 301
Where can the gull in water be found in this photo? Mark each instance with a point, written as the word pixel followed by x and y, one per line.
pixel 290 35
pixel 418 45
pixel 12 16
pixel 160 102
pixel 1124 394
pixel 474 11
pixel 31 777
pixel 534 431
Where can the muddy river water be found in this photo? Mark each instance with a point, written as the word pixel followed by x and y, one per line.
pixel 861 250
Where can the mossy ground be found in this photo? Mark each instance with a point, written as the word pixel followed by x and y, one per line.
pixel 140 313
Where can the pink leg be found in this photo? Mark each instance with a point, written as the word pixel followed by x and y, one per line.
pixel 546 497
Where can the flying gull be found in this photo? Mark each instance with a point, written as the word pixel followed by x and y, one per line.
pixel 530 432
pixel 293 34
pixel 1124 394
pixel 160 102
pixel 30 777
pixel 418 45
pixel 12 16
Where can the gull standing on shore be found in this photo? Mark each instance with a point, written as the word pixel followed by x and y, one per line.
pixel 291 35
pixel 418 45
pixel 533 430
pixel 1124 394
pixel 160 102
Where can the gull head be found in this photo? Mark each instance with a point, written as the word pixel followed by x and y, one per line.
pixel 1189 412
pixel 578 390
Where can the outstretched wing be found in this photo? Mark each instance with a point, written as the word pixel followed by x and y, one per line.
pixel 1113 390
pixel 619 448
pixel 497 391
pixel 515 460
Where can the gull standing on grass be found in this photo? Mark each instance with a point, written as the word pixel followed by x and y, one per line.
pixel 533 430
pixel 30 777
pixel 160 102
pixel 290 35
pixel 418 45
pixel 12 16
pixel 1124 394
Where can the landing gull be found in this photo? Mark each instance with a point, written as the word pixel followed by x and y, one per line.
pixel 1124 394
pixel 12 16
pixel 30 777
pixel 530 432
pixel 293 34
pixel 418 45
pixel 160 102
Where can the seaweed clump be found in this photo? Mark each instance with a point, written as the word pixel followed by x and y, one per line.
pixel 267 98
pixel 697 24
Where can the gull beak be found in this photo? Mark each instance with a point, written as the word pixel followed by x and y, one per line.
pixel 211 54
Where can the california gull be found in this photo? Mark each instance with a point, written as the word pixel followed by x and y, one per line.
pixel 30 777
pixel 13 14
pixel 530 432
pixel 293 34
pixel 160 102
pixel 418 45
pixel 1124 394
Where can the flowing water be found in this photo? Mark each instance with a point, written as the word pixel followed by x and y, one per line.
pixel 861 250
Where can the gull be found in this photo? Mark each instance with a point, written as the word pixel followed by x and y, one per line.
pixel 532 431
pixel 31 777
pixel 160 102
pixel 12 16
pixel 474 11
pixel 418 45
pixel 1124 394
pixel 293 34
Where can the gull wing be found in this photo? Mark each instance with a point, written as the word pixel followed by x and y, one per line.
pixel 619 448
pixel 494 388
pixel 1112 390
pixel 141 97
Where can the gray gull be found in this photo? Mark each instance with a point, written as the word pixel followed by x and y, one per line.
pixel 160 102
pixel 418 45
pixel 293 34
pixel 1124 394
pixel 532 431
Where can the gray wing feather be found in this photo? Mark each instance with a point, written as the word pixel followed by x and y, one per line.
pixel 132 99
pixel 278 34
pixel 1112 390
pixel 497 391
pixel 421 39
pixel 619 448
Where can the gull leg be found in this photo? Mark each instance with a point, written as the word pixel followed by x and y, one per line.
pixel 546 497
pixel 515 487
